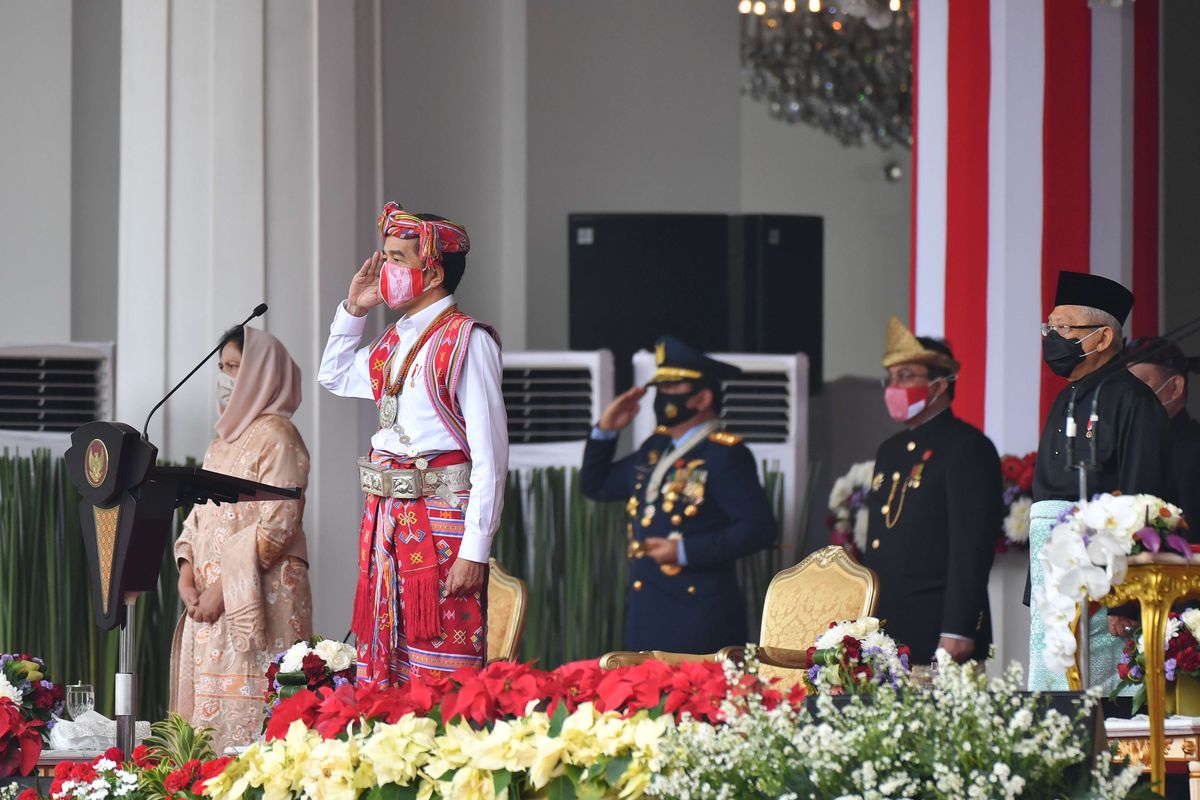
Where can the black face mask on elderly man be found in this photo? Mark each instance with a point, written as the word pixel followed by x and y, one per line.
pixel 1062 354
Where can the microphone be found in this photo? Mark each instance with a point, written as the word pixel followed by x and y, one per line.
pixel 258 311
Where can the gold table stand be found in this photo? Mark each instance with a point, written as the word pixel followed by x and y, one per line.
pixel 1157 582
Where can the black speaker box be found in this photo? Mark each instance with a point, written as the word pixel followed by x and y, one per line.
pixel 735 283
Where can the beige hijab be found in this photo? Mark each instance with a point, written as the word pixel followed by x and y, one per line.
pixel 268 382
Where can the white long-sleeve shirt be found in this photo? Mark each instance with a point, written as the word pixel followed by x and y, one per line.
pixel 344 371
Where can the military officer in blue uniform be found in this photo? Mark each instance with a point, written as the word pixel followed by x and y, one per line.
pixel 694 506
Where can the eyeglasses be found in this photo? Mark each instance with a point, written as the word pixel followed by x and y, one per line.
pixel 1063 330
pixel 902 377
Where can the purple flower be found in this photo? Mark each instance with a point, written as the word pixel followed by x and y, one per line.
pixel 1179 545
pixel 1149 539
pixel 904 660
pixel 813 672
pixel 1062 515
pixel 1124 657
pixel 338 681
pixel 1135 672
pixel 1170 668
pixel 1011 494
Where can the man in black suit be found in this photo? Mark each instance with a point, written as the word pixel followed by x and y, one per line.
pixel 935 508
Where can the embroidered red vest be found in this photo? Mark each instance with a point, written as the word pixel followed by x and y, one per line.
pixel 445 357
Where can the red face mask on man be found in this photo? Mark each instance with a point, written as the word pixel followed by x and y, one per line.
pixel 905 402
pixel 399 284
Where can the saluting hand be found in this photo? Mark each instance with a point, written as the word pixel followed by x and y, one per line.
pixel 620 412
pixel 364 286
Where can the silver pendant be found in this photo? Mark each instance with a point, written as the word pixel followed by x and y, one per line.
pixel 388 407
pixel 421 464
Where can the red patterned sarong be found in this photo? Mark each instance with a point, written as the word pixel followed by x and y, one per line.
pixel 406 548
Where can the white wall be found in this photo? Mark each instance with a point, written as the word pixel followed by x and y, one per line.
pixel 633 106
pixel 35 171
pixel 797 169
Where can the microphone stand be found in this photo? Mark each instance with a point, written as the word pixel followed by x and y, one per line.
pixel 259 310
pixel 1092 464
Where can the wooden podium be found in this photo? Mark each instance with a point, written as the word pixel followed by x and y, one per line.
pixel 126 514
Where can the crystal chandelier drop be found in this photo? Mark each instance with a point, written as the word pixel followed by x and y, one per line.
pixel 844 66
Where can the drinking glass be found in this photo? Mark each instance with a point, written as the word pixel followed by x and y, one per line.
pixel 80 699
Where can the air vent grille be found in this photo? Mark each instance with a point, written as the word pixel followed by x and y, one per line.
pixel 51 394
pixel 757 406
pixel 547 404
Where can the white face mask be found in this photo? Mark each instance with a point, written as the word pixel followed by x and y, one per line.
pixel 224 389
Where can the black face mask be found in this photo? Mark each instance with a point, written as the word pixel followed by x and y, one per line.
pixel 1062 355
pixel 672 409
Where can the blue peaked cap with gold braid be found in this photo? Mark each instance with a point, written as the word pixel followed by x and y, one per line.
pixel 675 361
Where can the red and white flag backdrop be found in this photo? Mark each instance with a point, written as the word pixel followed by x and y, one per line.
pixel 1037 150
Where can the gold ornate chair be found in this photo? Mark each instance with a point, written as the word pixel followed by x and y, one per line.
pixel 507 599
pixel 827 586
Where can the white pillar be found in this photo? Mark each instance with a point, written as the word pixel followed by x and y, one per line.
pixel 249 172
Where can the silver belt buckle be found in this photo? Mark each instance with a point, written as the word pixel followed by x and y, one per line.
pixel 402 484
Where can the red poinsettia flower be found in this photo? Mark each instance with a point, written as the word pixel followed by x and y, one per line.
pixel 574 683
pixel 208 771
pixel 797 695
pixel 20 740
pixel 472 701
pixel 514 686
pixel 29 794
pixel 338 710
pixel 303 705
pixel 633 688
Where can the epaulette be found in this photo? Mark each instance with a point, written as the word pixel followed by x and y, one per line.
pixel 725 437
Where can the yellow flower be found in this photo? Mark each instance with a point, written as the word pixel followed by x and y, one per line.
pixel 453 750
pixel 30 670
pixel 329 771
pixel 509 746
pixel 472 783
pixel 397 752
pixel 547 761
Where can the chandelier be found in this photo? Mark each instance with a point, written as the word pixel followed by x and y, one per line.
pixel 844 66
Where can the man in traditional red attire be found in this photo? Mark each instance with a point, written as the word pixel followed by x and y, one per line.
pixel 434 478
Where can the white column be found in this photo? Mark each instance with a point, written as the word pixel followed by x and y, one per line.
pixel 244 177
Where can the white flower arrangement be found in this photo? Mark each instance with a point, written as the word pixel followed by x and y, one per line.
pixel 965 738
pixel 336 655
pixel 1087 554
pixel 848 505
pixel 8 691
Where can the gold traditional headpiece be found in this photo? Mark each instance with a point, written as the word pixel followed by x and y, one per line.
pixel 905 348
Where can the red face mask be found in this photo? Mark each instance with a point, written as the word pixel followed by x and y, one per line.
pixel 905 402
pixel 399 284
